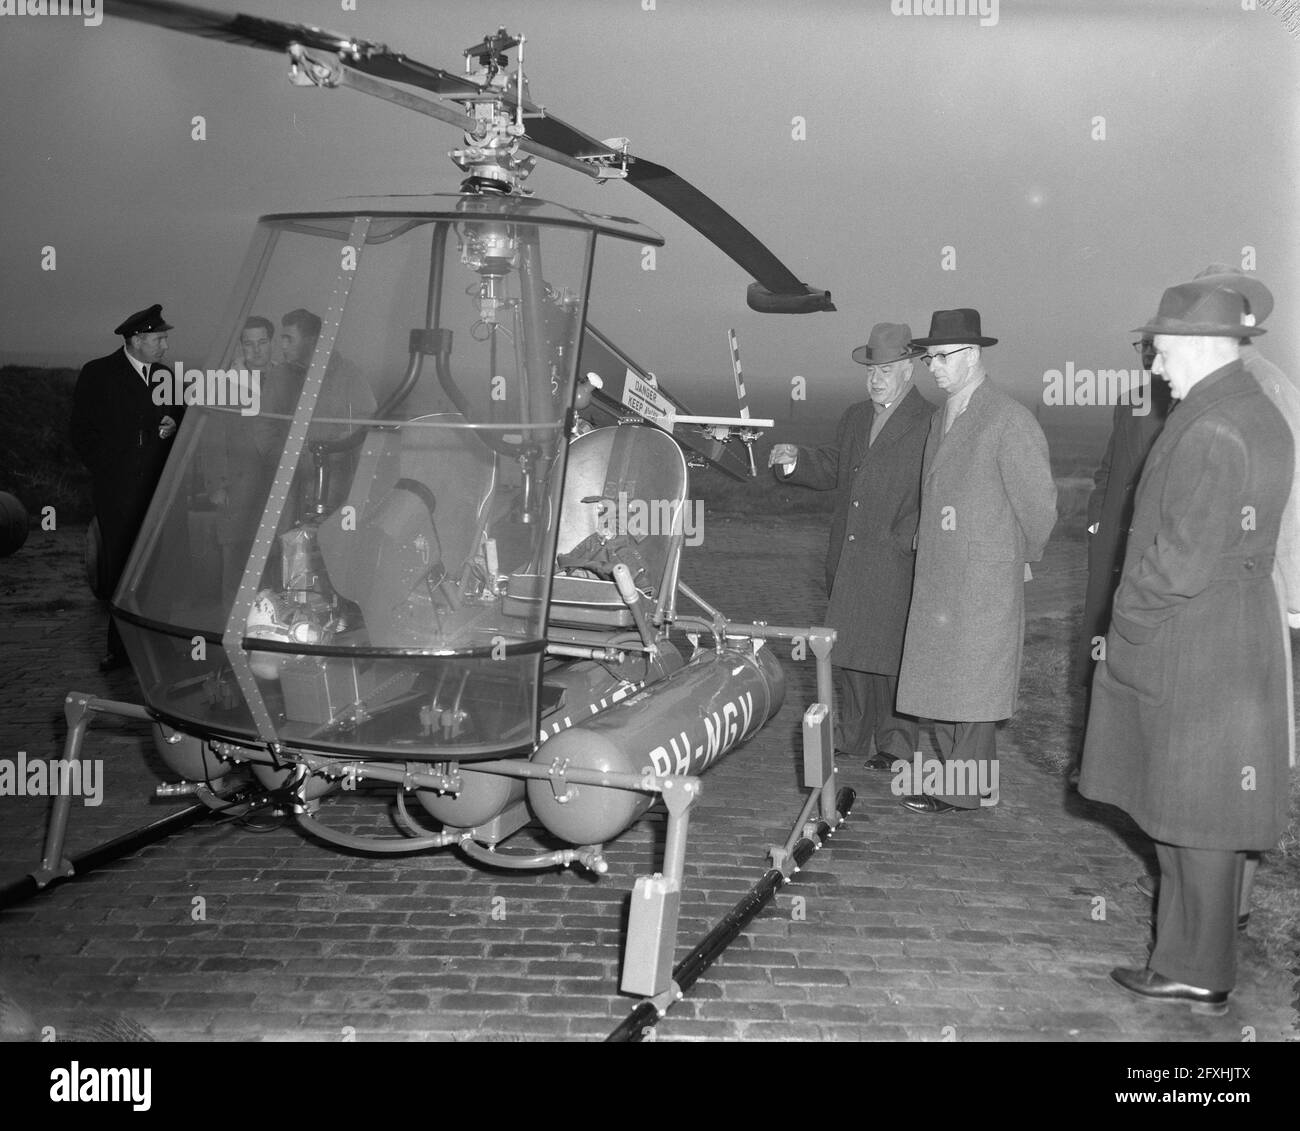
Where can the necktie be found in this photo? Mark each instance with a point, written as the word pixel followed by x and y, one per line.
pixel 877 423
pixel 950 413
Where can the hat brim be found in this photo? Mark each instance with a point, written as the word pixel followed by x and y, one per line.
pixel 860 356
pixel 967 340
pixel 1176 329
pixel 1255 293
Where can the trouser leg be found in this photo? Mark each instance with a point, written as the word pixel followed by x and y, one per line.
pixel 971 749
pixel 896 735
pixel 116 537
pixel 1248 881
pixel 854 728
pixel 1087 710
pixel 1196 916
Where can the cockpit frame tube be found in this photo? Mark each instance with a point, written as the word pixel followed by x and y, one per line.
pixel 236 624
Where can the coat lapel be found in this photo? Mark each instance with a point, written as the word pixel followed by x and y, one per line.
pixel 1200 400
pixel 896 427
pixel 962 428
pixel 904 416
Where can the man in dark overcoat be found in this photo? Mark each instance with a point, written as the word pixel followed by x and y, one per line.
pixel 874 465
pixel 123 436
pixel 1110 508
pixel 1188 729
pixel 1286 568
pixel 988 505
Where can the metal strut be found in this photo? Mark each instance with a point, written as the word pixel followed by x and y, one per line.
pixel 79 709
pixel 646 1015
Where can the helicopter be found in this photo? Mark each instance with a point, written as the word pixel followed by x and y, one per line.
pixel 433 574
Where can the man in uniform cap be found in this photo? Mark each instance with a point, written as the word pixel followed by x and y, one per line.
pixel 123 437
pixel 875 467
pixel 988 505
pixel 1188 728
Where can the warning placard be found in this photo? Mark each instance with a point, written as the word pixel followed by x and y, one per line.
pixel 641 396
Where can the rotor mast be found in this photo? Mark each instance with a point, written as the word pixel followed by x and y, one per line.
pixel 490 155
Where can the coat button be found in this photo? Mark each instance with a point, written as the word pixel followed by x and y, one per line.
pixel 853 537
pixel 1249 563
pixel 856 503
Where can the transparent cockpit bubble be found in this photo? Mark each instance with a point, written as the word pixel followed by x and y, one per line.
pixel 328 559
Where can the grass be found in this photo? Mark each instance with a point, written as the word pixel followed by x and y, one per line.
pixel 37 463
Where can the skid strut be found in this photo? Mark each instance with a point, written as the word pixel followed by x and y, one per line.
pixel 687 972
pixel 79 710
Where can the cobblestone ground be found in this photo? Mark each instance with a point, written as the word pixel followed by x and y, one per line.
pixel 976 927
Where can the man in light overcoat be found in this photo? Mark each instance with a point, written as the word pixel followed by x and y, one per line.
pixel 988 505
pixel 1188 728
pixel 874 465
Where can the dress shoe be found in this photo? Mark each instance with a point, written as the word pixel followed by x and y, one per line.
pixel 1147 984
pixel 113 661
pixel 880 761
pixel 924 803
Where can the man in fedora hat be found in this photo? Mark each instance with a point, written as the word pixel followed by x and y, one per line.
pixel 874 465
pixel 1188 727
pixel 988 505
pixel 1286 567
pixel 123 437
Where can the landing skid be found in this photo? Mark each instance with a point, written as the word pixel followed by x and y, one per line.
pixel 648 972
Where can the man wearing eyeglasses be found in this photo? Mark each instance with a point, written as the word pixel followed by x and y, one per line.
pixel 875 466
pixel 988 505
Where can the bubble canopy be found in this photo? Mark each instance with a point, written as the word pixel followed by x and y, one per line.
pixel 375 447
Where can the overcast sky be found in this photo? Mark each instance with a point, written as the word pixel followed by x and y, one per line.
pixel 922 132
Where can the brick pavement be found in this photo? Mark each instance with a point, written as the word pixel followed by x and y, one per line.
pixel 977 927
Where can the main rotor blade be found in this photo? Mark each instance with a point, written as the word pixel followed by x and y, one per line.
pixel 718 226
pixel 776 290
pixel 273 35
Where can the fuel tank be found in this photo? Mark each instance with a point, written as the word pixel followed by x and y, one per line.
pixel 580 688
pixel 681 725
pixel 186 755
